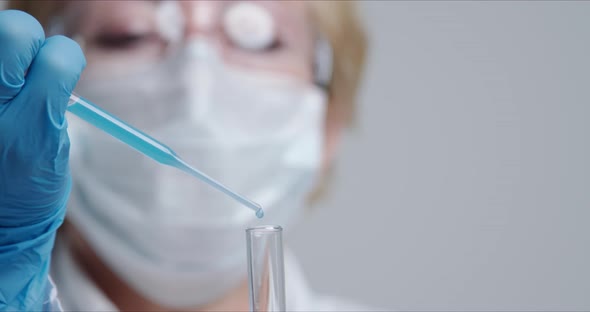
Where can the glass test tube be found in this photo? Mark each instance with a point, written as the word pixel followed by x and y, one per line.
pixel 266 276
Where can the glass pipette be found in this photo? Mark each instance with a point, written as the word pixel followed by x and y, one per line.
pixel 147 145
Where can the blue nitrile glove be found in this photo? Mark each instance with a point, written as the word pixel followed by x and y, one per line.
pixel 34 174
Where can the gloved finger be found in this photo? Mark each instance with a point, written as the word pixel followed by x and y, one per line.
pixel 51 78
pixel 21 36
pixel 34 143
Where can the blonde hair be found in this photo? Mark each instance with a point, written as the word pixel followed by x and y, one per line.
pixel 338 21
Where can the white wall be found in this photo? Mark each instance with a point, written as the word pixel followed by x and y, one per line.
pixel 466 184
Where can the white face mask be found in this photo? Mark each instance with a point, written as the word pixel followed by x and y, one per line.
pixel 174 239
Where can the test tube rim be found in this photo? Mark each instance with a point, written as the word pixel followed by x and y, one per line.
pixel 265 228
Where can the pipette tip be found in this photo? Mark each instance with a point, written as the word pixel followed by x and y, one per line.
pixel 259 213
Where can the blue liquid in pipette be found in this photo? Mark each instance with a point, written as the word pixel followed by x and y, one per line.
pixel 147 145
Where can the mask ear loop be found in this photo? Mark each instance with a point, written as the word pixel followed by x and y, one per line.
pixel 323 62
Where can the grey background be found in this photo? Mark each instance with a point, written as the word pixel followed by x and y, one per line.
pixel 466 183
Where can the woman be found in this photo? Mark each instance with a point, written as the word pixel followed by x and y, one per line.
pixel 254 93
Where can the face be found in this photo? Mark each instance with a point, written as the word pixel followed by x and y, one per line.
pixel 119 37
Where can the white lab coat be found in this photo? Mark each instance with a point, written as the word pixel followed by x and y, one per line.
pixel 76 292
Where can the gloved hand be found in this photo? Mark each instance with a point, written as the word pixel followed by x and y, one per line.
pixel 34 174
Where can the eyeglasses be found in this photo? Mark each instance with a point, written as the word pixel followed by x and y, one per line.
pixel 122 38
